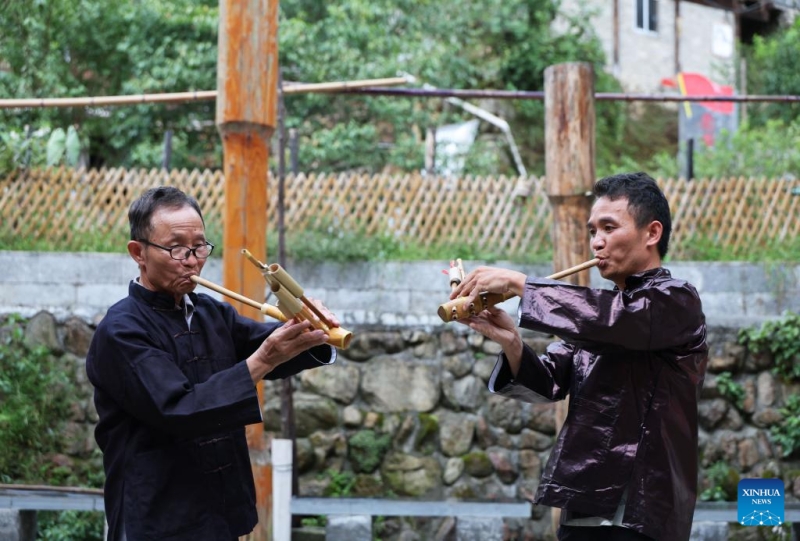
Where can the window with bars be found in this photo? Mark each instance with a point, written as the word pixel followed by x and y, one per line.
pixel 647 15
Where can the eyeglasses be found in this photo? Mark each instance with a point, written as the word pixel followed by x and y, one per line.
pixel 182 252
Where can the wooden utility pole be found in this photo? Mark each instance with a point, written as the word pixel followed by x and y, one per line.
pixel 569 171
pixel 247 86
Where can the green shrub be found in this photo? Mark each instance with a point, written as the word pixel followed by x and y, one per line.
pixel 367 449
pixel 35 394
pixel 70 525
pixel 781 338
pixel 34 399
pixel 722 483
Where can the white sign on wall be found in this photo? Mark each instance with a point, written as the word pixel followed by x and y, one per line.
pixel 722 40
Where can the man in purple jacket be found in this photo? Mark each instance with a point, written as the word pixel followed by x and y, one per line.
pixel 632 361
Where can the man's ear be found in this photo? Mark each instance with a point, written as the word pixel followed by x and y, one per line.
pixel 654 231
pixel 136 251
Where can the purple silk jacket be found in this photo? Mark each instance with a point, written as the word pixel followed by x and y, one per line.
pixel 632 363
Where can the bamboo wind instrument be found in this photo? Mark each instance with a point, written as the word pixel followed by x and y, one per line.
pixel 459 309
pixel 293 303
pixel 290 305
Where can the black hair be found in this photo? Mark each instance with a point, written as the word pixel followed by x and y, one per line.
pixel 646 201
pixel 141 211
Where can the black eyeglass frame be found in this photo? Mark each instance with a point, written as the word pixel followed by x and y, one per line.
pixel 192 251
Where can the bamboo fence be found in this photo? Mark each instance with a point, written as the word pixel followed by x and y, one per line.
pixel 505 216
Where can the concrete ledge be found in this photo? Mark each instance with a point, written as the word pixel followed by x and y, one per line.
pixel 393 293
pixel 406 508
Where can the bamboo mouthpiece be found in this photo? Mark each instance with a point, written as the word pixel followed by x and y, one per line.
pixel 460 309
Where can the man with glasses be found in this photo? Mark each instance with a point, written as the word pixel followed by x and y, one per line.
pixel 174 374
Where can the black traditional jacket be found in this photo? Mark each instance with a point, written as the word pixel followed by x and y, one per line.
pixel 173 402
pixel 632 363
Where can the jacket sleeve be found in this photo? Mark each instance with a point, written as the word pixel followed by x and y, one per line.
pixel 654 318
pixel 540 379
pixel 126 363
pixel 248 335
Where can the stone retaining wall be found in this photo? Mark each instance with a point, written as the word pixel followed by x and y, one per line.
pixel 405 411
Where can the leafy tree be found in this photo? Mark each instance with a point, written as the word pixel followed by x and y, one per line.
pixel 68 48
pixel 444 43
pixel 771 69
pixel 92 47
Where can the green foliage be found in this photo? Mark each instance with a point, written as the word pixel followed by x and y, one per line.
pixel 787 432
pixel 333 243
pixel 341 484
pixel 314 522
pixel 64 147
pixel 63 48
pixel 366 450
pixel 20 148
pixel 763 151
pixel 425 440
pixel 769 71
pixel 70 525
pixel 34 396
pixel 781 338
pixel 730 389
pixel 722 481
pixel 141 46
pixel 479 44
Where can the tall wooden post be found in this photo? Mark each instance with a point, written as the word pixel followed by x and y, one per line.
pixel 247 81
pixel 569 171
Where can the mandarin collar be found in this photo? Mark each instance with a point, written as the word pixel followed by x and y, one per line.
pixel 635 280
pixel 156 299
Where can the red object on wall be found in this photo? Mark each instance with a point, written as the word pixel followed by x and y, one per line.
pixel 696 84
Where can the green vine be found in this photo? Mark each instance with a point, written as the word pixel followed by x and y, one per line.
pixel 722 481
pixel 781 338
pixel 787 432
pixel 730 389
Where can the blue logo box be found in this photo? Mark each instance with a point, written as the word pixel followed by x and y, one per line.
pixel 761 502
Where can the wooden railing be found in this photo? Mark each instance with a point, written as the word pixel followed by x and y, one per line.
pixel 508 216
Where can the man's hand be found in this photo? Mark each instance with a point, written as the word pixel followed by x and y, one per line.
pixel 325 312
pixel 490 280
pixel 286 342
pixel 496 325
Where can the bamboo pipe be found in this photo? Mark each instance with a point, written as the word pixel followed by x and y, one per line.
pixel 196 95
pixel 337 337
pixel 459 309
pixel 267 309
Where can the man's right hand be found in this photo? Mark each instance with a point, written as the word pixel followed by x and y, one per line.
pixel 286 342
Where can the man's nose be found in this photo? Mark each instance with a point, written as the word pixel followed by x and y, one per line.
pixel 597 242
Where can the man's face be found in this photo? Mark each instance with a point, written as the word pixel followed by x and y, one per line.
pixel 158 271
pixel 623 248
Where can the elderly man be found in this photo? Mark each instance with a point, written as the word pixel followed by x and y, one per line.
pixel 632 360
pixel 174 375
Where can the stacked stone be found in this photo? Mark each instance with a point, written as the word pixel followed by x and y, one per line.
pixel 406 413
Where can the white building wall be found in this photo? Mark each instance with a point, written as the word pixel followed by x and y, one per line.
pixel 645 58
pixel 699 25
